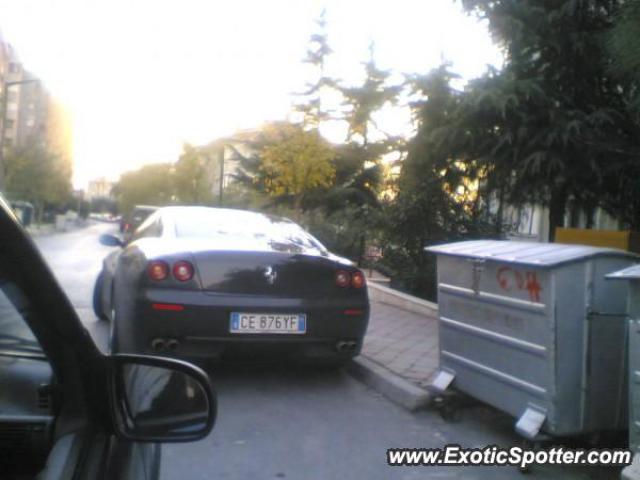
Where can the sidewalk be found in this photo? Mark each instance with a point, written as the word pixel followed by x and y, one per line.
pixel 404 342
pixel 400 352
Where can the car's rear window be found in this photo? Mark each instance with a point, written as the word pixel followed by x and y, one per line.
pixel 234 223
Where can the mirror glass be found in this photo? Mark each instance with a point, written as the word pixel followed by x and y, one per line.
pixel 162 402
pixel 110 240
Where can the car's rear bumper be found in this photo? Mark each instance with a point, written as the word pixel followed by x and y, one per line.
pixel 201 327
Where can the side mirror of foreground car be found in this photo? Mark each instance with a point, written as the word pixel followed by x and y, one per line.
pixel 157 399
pixel 110 240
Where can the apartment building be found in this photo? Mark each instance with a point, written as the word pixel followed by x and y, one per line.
pixel 530 222
pixel 10 71
pixel 31 115
pixel 100 188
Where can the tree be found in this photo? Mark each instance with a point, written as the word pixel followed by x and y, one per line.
pixel 437 198
pixel 150 185
pixel 35 174
pixel 364 100
pixel 310 104
pixel 102 205
pixel 190 178
pixel 624 40
pixel 359 161
pixel 551 119
pixel 295 162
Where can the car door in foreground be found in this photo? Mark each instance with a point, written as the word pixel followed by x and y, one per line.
pixel 67 410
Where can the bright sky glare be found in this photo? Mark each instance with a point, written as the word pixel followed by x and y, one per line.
pixel 141 77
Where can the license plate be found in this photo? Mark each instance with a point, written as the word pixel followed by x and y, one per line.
pixel 268 323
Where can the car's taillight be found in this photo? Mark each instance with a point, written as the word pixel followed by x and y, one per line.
pixel 357 280
pixel 158 270
pixel 343 278
pixel 182 271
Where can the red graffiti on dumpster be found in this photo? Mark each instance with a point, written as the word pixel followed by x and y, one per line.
pixel 510 279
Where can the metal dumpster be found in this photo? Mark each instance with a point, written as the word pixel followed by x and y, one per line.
pixel 536 331
pixel 632 275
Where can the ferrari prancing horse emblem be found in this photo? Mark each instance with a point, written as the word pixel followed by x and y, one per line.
pixel 270 274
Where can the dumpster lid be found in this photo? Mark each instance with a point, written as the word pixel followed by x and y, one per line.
pixel 629 273
pixel 525 253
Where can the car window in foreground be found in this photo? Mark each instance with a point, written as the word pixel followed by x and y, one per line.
pixel 15 335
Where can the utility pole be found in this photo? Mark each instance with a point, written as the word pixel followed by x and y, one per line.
pixel 3 121
pixel 221 157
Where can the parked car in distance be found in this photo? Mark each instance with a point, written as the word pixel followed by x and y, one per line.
pixel 131 221
pixel 68 411
pixel 198 282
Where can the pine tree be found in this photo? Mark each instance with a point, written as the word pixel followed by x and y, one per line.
pixel 310 103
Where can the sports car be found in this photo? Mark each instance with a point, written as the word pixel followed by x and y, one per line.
pixel 199 282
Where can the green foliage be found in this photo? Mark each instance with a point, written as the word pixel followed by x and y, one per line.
pixel 287 163
pixel 357 180
pixel 364 100
pixel 187 182
pixel 102 205
pixel 624 40
pixel 623 44
pixel 191 178
pixel 296 161
pixel 341 231
pixel 437 198
pixel 150 185
pixel 546 127
pixel 310 101
pixel 35 174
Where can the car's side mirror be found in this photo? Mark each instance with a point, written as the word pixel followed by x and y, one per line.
pixel 110 240
pixel 156 399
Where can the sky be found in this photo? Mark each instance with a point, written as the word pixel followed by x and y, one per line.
pixel 141 77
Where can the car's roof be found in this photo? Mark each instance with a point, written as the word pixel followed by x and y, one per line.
pixel 236 213
pixel 204 228
pixel 145 207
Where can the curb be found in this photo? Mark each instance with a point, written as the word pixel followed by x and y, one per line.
pixel 382 294
pixel 389 384
pixel 39 231
pixel 52 230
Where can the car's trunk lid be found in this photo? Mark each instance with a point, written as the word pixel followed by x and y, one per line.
pixel 266 273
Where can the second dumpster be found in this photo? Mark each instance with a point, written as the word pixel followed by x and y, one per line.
pixel 536 331
pixel 632 275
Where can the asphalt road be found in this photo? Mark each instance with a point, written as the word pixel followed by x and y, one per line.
pixel 281 422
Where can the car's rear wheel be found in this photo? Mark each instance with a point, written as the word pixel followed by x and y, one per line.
pixel 98 308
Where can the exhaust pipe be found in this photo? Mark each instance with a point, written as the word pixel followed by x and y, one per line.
pixel 173 345
pixel 158 344
pixel 346 346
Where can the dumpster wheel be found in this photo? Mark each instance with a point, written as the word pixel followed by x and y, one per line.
pixel 534 445
pixel 528 445
pixel 449 404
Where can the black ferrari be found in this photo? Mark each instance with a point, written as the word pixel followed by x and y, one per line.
pixel 199 282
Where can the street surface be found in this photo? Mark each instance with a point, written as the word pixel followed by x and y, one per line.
pixel 276 422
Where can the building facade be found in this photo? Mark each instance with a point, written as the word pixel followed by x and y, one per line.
pixel 31 114
pixel 530 222
pixel 100 188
